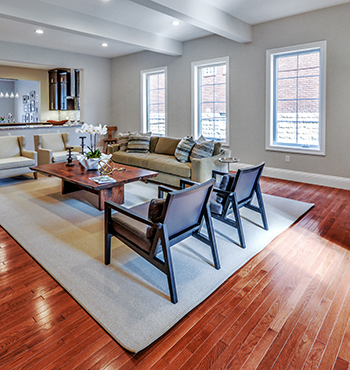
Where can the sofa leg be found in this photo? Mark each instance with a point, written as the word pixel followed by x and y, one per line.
pixel 35 175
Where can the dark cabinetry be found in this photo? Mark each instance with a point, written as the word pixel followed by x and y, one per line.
pixel 63 90
pixel 53 90
pixel 62 101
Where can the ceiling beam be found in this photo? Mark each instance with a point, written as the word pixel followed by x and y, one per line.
pixel 54 17
pixel 203 15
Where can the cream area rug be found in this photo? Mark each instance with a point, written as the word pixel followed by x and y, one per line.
pixel 129 297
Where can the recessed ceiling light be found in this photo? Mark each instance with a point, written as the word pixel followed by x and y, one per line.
pixel 39 31
pixel 104 44
pixel 175 23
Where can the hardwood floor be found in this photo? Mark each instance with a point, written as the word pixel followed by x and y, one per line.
pixel 287 308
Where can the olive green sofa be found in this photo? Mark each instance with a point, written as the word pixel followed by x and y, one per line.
pixel 161 158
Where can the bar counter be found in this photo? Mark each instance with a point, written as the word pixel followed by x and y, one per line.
pixel 30 129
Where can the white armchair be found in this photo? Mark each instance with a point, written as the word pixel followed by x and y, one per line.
pixel 52 148
pixel 14 158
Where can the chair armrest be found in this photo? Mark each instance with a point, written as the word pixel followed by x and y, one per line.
pixel 44 156
pixel 29 154
pixel 202 168
pixel 129 213
pixel 162 189
pixel 184 182
pixel 112 148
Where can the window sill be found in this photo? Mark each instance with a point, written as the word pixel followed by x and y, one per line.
pixel 296 150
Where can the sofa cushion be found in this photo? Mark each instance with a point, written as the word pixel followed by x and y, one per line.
pixel 9 147
pixel 16 162
pixel 154 162
pixel 217 148
pixel 202 149
pixel 123 139
pixel 184 148
pixel 53 142
pixel 139 142
pixel 153 143
pixel 166 145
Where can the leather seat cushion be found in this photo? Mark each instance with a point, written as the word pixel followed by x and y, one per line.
pixel 133 230
pixel 215 206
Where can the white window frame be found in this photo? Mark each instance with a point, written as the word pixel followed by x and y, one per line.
pixel 144 74
pixel 195 66
pixel 270 83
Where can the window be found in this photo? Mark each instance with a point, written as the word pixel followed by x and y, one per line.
pixel 154 101
pixel 296 85
pixel 210 94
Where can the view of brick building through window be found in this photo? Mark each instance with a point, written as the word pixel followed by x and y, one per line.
pixel 156 103
pixel 297 99
pixel 212 102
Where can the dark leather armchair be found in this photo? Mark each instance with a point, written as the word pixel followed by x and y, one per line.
pixel 152 228
pixel 234 192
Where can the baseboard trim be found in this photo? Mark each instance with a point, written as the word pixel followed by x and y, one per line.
pixel 306 177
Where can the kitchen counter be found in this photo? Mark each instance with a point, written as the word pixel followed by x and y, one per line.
pixel 17 125
pixel 30 129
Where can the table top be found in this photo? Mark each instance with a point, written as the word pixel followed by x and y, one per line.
pixel 77 174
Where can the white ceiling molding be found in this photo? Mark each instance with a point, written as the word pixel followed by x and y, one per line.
pixel 61 19
pixel 132 26
pixel 203 15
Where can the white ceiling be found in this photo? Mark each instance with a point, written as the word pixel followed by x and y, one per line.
pixel 130 26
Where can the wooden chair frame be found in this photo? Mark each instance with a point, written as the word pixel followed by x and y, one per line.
pixel 232 200
pixel 162 241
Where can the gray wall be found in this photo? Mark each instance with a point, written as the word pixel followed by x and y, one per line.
pixel 248 86
pixel 96 76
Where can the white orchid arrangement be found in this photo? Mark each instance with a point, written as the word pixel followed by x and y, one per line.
pixel 93 131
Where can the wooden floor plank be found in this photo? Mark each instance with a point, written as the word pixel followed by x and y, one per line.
pixel 310 335
pixel 287 308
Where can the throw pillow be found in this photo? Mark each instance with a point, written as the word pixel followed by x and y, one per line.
pixel 123 139
pixel 139 142
pixel 166 145
pixel 202 149
pixel 184 148
pixel 155 211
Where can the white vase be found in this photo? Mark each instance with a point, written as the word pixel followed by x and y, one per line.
pixel 91 163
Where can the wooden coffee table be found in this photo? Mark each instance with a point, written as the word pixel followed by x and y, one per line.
pixel 78 178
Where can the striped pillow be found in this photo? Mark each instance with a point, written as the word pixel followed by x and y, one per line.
pixel 184 148
pixel 202 149
pixel 139 142
pixel 123 139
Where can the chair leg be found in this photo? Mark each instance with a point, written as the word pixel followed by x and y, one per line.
pixel 169 264
pixel 238 222
pixel 261 207
pixel 108 236
pixel 211 235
